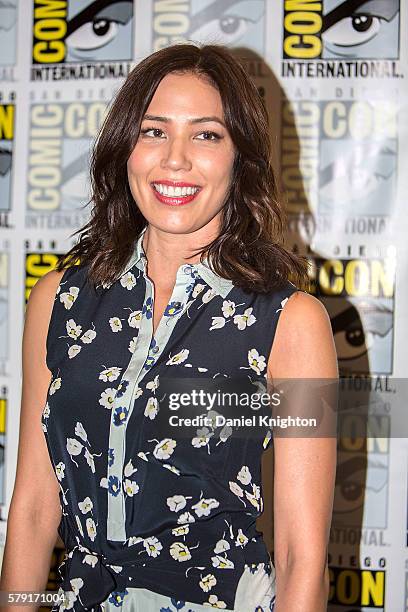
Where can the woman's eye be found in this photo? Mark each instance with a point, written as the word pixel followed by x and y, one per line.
pixel 213 134
pixel 147 130
pixel 351 31
pixel 93 35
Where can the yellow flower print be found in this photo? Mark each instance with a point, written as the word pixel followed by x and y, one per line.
pixel 244 320
pixel 178 358
pixel 208 582
pixel 214 602
pixel 180 551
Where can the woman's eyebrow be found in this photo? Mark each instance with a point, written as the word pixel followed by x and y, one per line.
pixel 191 121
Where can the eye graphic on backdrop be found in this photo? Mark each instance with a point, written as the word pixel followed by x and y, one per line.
pixel 356 478
pixel 354 30
pixel 351 28
pixel 226 22
pixel 101 24
pixel 356 331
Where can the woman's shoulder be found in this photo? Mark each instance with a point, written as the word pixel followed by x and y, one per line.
pixel 304 344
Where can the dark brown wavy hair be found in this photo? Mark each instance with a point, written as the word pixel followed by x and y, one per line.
pixel 249 248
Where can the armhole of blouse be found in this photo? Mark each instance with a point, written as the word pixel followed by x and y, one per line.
pixel 52 318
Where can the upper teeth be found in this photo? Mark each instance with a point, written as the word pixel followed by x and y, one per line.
pixel 174 191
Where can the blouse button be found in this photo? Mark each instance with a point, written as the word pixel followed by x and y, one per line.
pixel 177 304
pixel 156 349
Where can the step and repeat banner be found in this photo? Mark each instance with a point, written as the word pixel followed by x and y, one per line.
pixel 333 76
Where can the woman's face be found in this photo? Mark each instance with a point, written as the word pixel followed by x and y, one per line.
pixel 184 145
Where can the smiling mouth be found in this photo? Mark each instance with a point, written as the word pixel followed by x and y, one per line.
pixel 175 196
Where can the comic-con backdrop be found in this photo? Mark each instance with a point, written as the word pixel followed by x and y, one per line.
pixel 333 75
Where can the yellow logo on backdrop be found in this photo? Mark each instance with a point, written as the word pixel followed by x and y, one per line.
pixel 302 27
pixel 50 28
pixel 37 265
pixel 3 413
pixel 357 587
pixel 6 121
pixel 353 277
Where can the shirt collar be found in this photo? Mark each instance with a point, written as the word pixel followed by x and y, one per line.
pixel 221 285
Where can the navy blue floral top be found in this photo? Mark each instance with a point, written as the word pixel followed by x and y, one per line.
pixel 139 510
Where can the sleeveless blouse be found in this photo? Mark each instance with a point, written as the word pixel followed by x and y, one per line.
pixel 140 512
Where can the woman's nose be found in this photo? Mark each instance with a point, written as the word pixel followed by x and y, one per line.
pixel 177 155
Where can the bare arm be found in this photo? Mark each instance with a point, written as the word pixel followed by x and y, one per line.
pixel 35 512
pixel 305 468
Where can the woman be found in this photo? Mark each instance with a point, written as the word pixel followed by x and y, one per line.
pixel 181 169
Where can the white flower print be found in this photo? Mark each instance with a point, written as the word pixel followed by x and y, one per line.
pixel 107 398
pixel 129 469
pixel 152 385
pixel 74 447
pixel 110 374
pixel 198 288
pixel 78 522
pixel 135 540
pixel 207 582
pixel 217 323
pixel 214 602
pixel 46 411
pixel 73 330
pixel 142 455
pixel 91 528
pixel 90 459
pixel 80 431
pixel 244 475
pixel 178 358
pixel 55 385
pixel 172 468
pixel 222 562
pixel 132 345
pixel 60 470
pixel 241 539
pixel 244 320
pixel 180 551
pixel 181 530
pixel 86 505
pixel 77 584
pixel 152 546
pixel 74 350
pixel 228 308
pixel 235 488
pixel 88 336
pixel 116 324
pixel 152 408
pixel 203 437
pixel 177 502
pixel 204 506
pixel 283 302
pixel 131 487
pixel 208 295
pixel 91 560
pixel 256 361
pixel 255 497
pixel 221 546
pixel 68 298
pixel 186 517
pixel 128 281
pixel 267 438
pixel 134 319
pixel 165 448
pixel 67 599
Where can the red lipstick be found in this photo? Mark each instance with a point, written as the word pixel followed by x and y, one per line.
pixel 175 200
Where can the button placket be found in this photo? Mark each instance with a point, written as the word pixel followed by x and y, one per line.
pixel 135 372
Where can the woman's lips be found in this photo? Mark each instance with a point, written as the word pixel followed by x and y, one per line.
pixel 174 200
